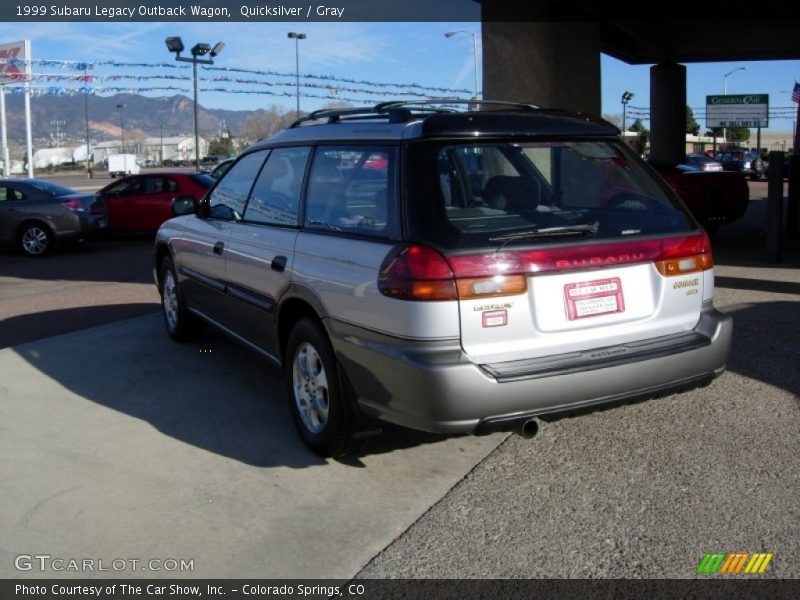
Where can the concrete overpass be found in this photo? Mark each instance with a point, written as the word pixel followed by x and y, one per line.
pixel 548 53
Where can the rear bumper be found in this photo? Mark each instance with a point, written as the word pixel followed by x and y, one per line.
pixel 80 225
pixel 434 386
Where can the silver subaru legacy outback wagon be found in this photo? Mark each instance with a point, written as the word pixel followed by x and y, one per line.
pixel 449 271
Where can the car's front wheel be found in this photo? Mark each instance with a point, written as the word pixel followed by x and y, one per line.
pixel 181 324
pixel 320 411
pixel 35 239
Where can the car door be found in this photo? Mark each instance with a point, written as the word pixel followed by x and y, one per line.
pixel 120 200
pixel 260 250
pixel 154 205
pixel 200 254
pixel 11 213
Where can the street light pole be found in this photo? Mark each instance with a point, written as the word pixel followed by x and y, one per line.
pixel 86 115
pixel 196 121
pixel 121 128
pixel 626 97
pixel 175 44
pixel 293 35
pixel 450 34
pixel 725 93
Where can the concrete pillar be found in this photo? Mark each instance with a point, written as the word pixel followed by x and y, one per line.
pixel 668 113
pixel 550 64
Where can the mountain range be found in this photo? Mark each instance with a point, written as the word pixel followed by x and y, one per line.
pixel 141 116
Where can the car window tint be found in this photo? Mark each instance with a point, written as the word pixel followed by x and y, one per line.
pixel 351 189
pixel 229 197
pixel 127 187
pixel 477 193
pixel 7 193
pixel 170 185
pixel 275 198
pixel 153 185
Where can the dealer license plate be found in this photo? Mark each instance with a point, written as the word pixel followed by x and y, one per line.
pixel 594 298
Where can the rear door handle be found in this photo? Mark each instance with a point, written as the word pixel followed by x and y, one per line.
pixel 218 248
pixel 278 264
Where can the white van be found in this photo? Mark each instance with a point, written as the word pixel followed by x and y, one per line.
pixel 123 164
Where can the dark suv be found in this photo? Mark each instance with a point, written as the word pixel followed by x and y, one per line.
pixel 747 162
pixel 447 271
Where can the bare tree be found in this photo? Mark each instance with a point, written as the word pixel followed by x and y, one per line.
pixel 265 123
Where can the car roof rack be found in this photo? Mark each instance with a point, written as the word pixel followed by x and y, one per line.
pixel 445 101
pixel 402 111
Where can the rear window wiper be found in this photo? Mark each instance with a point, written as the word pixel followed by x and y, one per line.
pixel 530 234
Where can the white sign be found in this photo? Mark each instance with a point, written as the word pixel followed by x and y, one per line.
pixel 15 73
pixel 741 110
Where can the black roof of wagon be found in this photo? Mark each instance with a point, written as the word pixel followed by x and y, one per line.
pixel 439 118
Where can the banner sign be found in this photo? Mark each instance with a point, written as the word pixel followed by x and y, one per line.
pixel 742 110
pixel 15 66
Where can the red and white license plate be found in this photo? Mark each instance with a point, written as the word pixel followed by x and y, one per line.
pixel 594 298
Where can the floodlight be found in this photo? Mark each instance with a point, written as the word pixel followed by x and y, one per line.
pixel 201 49
pixel 174 44
pixel 217 49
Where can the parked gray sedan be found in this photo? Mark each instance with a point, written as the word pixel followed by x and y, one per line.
pixel 35 213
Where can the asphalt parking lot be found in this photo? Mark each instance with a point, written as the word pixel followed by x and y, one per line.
pixel 118 443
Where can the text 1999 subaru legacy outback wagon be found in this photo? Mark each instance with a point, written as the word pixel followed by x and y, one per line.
pixel 447 271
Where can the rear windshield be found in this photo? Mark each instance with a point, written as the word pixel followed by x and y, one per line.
pixel 51 189
pixel 477 195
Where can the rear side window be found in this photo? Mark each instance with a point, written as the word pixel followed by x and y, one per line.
pixel 351 189
pixel 480 195
pixel 229 197
pixel 275 198
pixel 7 193
pixel 160 185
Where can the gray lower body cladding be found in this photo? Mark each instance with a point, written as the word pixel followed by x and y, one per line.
pixel 434 386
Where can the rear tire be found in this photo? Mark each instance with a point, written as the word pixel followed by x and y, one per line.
pixel 35 239
pixel 180 323
pixel 320 409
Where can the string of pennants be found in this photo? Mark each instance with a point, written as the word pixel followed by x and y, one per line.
pixel 88 66
pixel 64 91
pixel 47 77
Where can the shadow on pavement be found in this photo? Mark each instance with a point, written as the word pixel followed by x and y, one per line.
pixel 766 343
pixel 123 258
pixel 213 394
pixel 744 243
pixel 760 285
pixel 22 329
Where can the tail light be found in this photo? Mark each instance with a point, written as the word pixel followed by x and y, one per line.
pixel 416 272
pixel 685 255
pixel 73 204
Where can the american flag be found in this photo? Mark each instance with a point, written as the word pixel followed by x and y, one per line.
pixel 796 93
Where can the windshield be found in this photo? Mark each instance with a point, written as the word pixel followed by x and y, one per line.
pixel 481 193
pixel 52 189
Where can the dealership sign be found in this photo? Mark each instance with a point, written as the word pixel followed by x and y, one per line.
pixel 12 71
pixel 742 110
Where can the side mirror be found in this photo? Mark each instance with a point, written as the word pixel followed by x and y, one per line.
pixel 185 205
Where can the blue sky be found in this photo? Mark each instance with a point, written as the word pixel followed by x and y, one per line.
pixel 376 52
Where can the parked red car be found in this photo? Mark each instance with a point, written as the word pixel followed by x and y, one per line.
pixel 714 198
pixel 143 202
